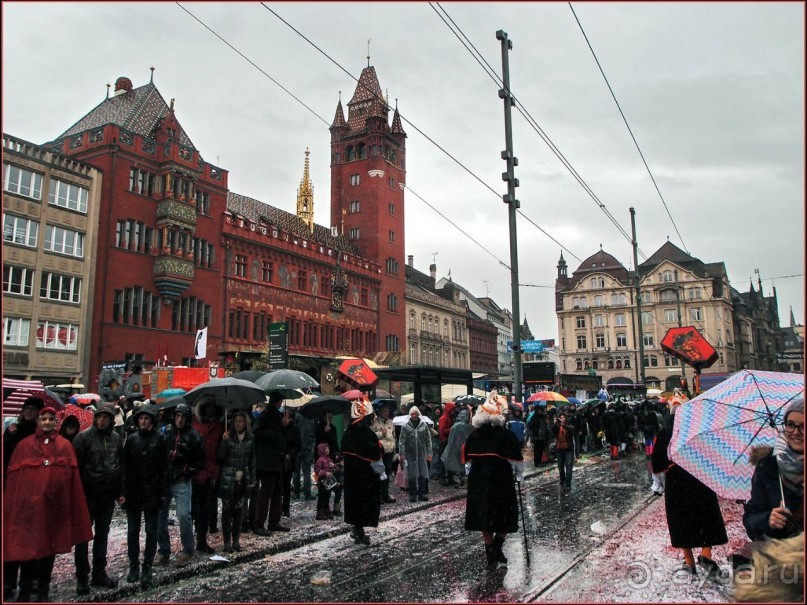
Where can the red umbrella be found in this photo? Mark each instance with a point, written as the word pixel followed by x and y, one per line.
pixel 354 394
pixel 357 372
pixel 85 416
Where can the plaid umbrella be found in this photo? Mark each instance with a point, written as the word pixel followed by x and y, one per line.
pixel 547 396
pixel 84 416
pixel 714 431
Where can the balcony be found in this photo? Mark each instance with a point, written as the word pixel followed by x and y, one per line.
pixel 172 276
pixel 176 213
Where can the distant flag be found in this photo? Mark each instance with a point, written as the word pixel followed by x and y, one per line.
pixel 201 343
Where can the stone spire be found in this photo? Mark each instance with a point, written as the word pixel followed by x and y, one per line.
pixel 305 196
pixel 396 122
pixel 339 118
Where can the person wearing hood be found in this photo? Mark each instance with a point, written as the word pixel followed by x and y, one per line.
pixel 325 470
pixel 270 448
pixel 779 474
pixel 364 471
pixel 43 480
pixel 24 427
pixel 694 519
pixel 99 451
pixel 209 424
pixel 452 454
pixel 145 467
pixel 415 450
pixel 236 455
pixel 186 457
pixel 539 433
pixel 69 428
pixel 496 463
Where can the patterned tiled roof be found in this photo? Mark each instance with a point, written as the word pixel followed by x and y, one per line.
pixel 367 90
pixel 256 210
pixel 339 117
pixel 138 111
pixel 396 123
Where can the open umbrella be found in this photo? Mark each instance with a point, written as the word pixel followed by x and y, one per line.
pixel 85 416
pixel 357 372
pixel 473 400
pixel 171 403
pixel 573 400
pixel 229 393
pixel 653 392
pixel 547 396
pixel 353 394
pixel 250 375
pixel 298 403
pixel 387 401
pixel 327 403
pixel 382 394
pixel 286 379
pixel 170 394
pixel 85 399
pixel 402 420
pixel 714 431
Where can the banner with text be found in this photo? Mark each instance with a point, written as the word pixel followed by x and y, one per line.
pixel 533 346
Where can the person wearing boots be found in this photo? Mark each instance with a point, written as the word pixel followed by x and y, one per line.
pixel 452 454
pixel 186 456
pixel 209 424
pixel 612 426
pixel 24 427
pixel 540 435
pixel 237 457
pixel 496 463
pixel 385 431
pixel 145 464
pixel 44 509
pixel 293 443
pixel 415 450
pixel 270 447
pixel 364 470
pixel 301 479
pixel 99 451
pixel 325 470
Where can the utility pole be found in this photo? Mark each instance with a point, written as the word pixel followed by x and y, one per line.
pixel 637 333
pixel 512 205
pixel 678 305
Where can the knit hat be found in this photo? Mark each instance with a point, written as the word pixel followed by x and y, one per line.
pixel 797 405
pixel 360 409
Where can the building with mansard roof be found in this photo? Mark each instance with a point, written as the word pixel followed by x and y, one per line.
pixel 597 325
pixel 760 341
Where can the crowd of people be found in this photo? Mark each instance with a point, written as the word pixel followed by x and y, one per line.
pixel 255 462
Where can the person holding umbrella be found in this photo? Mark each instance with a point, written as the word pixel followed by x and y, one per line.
pixel 364 471
pixel 496 464
pixel 776 507
pixel 236 454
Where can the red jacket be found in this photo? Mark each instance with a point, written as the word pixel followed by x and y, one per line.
pixel 446 421
pixel 211 434
pixel 44 509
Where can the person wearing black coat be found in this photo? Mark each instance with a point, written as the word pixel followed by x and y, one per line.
pixel 236 454
pixel 540 434
pixel 293 442
pixel 99 452
pixel 364 471
pixel 613 427
pixel 145 462
pixel 649 424
pixel 270 449
pixel 694 519
pixel 496 464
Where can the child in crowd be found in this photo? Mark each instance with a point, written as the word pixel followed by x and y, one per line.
pixel 327 472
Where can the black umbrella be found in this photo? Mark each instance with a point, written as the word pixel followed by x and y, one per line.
pixel 328 403
pixel 474 400
pixel 288 380
pixel 170 403
pixel 379 403
pixel 250 375
pixel 229 393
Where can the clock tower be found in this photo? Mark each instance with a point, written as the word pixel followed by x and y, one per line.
pixel 368 172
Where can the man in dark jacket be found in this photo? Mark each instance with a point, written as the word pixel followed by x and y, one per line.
pixel 270 448
pixel 24 427
pixel 99 451
pixel 540 434
pixel 302 465
pixel 186 456
pixel 613 428
pixel 291 438
pixel 208 422
pixel 145 463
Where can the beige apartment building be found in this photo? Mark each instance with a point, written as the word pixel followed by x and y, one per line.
pixel 597 322
pixel 50 219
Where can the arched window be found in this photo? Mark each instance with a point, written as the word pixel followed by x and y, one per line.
pixel 618 364
pixel 579 364
pixel 595 365
pixel 610 363
pixel 586 364
pixel 627 363
pixel 412 319
pixel 412 352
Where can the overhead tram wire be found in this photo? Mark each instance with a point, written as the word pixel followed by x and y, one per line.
pixel 624 119
pixel 423 134
pixel 452 223
pixel 532 123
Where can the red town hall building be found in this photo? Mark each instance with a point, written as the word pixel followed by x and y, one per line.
pixel 178 251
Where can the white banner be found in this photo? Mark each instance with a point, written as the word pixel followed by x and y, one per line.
pixel 200 350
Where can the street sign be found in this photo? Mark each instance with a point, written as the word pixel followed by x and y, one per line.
pixel 278 346
pixel 533 346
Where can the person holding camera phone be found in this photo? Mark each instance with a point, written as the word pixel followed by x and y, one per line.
pixel 564 449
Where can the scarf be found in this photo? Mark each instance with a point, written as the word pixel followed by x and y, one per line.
pixel 791 466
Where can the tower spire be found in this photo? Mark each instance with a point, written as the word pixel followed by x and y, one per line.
pixel 368 52
pixel 305 196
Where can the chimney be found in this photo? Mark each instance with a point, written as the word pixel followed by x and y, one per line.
pixel 433 271
pixel 410 260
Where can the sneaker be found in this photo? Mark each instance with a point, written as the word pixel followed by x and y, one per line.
pixel 161 560
pixel 183 559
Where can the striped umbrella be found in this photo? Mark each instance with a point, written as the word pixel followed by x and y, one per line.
pixel 714 432
pixel 547 396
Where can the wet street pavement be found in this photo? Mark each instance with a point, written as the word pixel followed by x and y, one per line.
pixel 421 553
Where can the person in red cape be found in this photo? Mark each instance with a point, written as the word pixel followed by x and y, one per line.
pixel 44 509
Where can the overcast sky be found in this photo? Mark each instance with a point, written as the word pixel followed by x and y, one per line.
pixel 714 94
